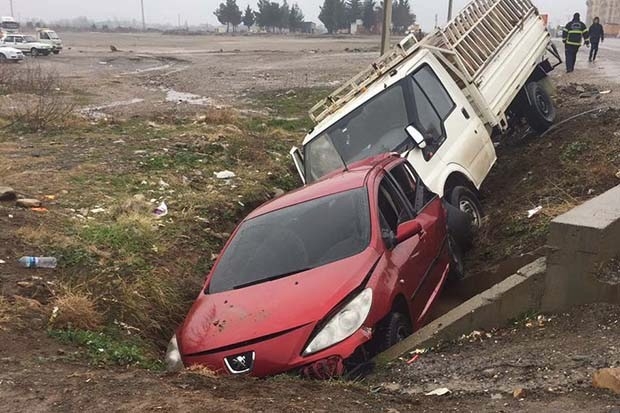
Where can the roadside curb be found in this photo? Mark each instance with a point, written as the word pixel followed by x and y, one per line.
pixel 491 308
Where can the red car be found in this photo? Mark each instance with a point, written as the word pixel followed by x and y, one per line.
pixel 347 266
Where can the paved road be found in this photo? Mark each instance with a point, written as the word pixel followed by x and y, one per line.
pixel 606 67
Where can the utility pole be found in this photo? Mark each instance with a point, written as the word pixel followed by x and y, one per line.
pixel 436 20
pixel 387 26
pixel 449 10
pixel 143 20
pixel 12 13
pixel 179 20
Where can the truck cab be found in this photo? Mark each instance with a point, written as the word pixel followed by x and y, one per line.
pixel 418 111
pixel 50 37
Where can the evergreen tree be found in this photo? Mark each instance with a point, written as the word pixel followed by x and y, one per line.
pixel 284 14
pixel 354 10
pixel 268 14
pixel 333 15
pixel 295 18
pixel 248 17
pixel 402 17
pixel 228 13
pixel 369 14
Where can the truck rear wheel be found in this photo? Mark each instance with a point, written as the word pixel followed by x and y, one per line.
pixel 465 200
pixel 540 113
pixel 34 52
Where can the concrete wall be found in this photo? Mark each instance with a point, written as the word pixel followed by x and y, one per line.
pixel 516 295
pixel 580 241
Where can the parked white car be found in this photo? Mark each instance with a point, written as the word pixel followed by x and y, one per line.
pixel 27 44
pixel 10 54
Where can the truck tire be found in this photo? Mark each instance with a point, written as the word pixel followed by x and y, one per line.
pixel 34 52
pixel 56 51
pixel 540 113
pixel 460 227
pixel 2 58
pixel 465 200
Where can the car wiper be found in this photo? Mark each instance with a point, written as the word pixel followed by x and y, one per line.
pixel 272 278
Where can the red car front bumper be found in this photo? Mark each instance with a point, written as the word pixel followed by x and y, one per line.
pixel 282 354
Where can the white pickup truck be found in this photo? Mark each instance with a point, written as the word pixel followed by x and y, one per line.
pixel 440 100
pixel 51 38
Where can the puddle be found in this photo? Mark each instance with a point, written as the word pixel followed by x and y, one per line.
pixel 147 70
pixel 95 112
pixel 456 293
pixel 184 97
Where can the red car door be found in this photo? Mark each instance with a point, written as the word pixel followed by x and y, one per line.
pixel 430 259
pixel 409 259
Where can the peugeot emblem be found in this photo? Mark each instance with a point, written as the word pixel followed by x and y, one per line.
pixel 240 363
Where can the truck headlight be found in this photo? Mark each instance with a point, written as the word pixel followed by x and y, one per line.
pixel 173 356
pixel 342 325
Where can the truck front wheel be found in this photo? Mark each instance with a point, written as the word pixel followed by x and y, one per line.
pixel 465 200
pixel 540 113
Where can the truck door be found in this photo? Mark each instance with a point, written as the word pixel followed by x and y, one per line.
pixel 453 132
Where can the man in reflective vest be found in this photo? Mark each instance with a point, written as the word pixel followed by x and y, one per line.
pixel 574 33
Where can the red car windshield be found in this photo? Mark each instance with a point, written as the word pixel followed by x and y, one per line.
pixel 295 239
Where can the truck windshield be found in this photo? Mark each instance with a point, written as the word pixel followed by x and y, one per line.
pixel 376 127
pixel 52 35
pixel 295 239
pixel 29 39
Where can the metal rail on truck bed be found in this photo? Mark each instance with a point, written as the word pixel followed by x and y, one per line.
pixel 465 46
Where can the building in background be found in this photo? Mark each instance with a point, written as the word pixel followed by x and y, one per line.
pixel 609 13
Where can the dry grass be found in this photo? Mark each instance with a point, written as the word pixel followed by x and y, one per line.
pixel 5 309
pixel 132 206
pixel 218 116
pixel 36 101
pixel 40 112
pixel 75 311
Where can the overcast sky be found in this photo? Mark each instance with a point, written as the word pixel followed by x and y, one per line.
pixel 201 11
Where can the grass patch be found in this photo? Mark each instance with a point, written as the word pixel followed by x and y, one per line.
pixel 123 265
pixel 130 235
pixel 103 348
pixel 77 311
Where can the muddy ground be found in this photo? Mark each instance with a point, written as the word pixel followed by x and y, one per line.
pixel 128 138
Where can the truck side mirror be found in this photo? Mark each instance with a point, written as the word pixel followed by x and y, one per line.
pixel 417 137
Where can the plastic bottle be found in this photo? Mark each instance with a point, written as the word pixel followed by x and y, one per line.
pixel 38 262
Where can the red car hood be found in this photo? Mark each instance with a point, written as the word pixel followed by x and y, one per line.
pixel 234 317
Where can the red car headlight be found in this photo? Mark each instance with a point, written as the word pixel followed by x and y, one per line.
pixel 342 325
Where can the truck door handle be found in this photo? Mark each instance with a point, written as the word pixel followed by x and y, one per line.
pixel 465 113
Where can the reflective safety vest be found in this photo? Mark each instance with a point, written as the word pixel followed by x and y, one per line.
pixel 575 32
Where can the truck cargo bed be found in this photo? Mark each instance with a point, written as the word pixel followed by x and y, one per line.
pixel 490 49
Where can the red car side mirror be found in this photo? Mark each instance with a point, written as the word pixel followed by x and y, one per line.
pixel 407 230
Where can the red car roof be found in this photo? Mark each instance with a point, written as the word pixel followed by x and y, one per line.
pixel 340 181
